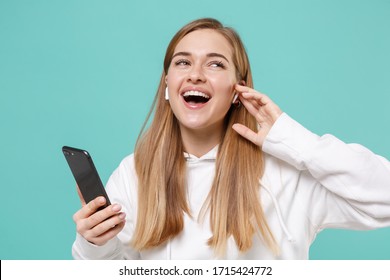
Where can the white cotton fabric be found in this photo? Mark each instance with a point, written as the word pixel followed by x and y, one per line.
pixel 310 183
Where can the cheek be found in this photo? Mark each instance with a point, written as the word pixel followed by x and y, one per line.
pixel 224 85
pixel 174 80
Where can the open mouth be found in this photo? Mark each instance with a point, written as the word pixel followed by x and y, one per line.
pixel 196 97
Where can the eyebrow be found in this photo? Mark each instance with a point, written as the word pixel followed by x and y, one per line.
pixel 207 55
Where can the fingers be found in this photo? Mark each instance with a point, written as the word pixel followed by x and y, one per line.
pixel 90 208
pixel 105 230
pixel 259 105
pixel 99 227
pixel 256 98
pixel 250 105
pixel 107 235
pixel 241 89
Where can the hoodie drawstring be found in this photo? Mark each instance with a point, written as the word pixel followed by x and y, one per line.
pixel 278 213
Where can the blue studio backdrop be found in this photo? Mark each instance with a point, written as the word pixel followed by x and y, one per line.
pixel 84 72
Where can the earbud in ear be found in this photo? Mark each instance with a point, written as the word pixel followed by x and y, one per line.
pixel 236 102
pixel 166 94
pixel 235 98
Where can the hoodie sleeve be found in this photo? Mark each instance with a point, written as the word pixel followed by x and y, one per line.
pixel 121 189
pixel 350 186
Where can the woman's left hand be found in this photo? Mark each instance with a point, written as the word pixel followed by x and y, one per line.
pixel 262 108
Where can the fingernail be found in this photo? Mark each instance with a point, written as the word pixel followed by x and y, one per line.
pixel 101 200
pixel 122 216
pixel 116 207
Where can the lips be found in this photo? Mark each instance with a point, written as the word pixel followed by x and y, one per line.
pixel 195 97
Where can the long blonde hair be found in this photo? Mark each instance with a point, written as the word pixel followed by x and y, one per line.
pixel 234 198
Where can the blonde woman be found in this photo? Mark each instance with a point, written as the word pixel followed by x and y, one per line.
pixel 222 172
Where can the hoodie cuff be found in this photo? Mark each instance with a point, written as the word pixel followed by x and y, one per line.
pixel 83 249
pixel 288 140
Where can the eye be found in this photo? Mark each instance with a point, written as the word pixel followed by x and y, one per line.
pixel 217 64
pixel 182 62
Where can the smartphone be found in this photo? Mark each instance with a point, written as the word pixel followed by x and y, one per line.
pixel 85 174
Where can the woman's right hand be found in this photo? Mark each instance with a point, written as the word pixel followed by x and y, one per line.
pixel 98 227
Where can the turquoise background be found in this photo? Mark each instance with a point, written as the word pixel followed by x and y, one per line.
pixel 84 73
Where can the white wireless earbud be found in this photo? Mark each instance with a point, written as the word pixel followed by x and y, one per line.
pixel 166 94
pixel 235 98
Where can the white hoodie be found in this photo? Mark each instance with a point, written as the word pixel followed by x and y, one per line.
pixel 310 183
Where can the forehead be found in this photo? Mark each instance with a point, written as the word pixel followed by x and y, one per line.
pixel 204 41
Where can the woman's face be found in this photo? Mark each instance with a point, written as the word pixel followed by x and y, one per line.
pixel 201 80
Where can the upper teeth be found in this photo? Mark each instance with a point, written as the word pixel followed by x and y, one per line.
pixel 195 93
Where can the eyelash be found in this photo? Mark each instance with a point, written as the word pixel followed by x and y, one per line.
pixel 182 61
pixel 186 62
pixel 218 63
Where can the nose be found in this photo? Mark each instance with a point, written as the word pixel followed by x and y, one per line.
pixel 196 75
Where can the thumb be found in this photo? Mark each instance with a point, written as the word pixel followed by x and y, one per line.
pixel 247 133
pixel 80 195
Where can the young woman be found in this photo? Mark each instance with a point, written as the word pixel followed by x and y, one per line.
pixel 222 172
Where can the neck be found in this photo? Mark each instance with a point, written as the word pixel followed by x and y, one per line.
pixel 200 142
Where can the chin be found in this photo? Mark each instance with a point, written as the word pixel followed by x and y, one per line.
pixel 194 126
